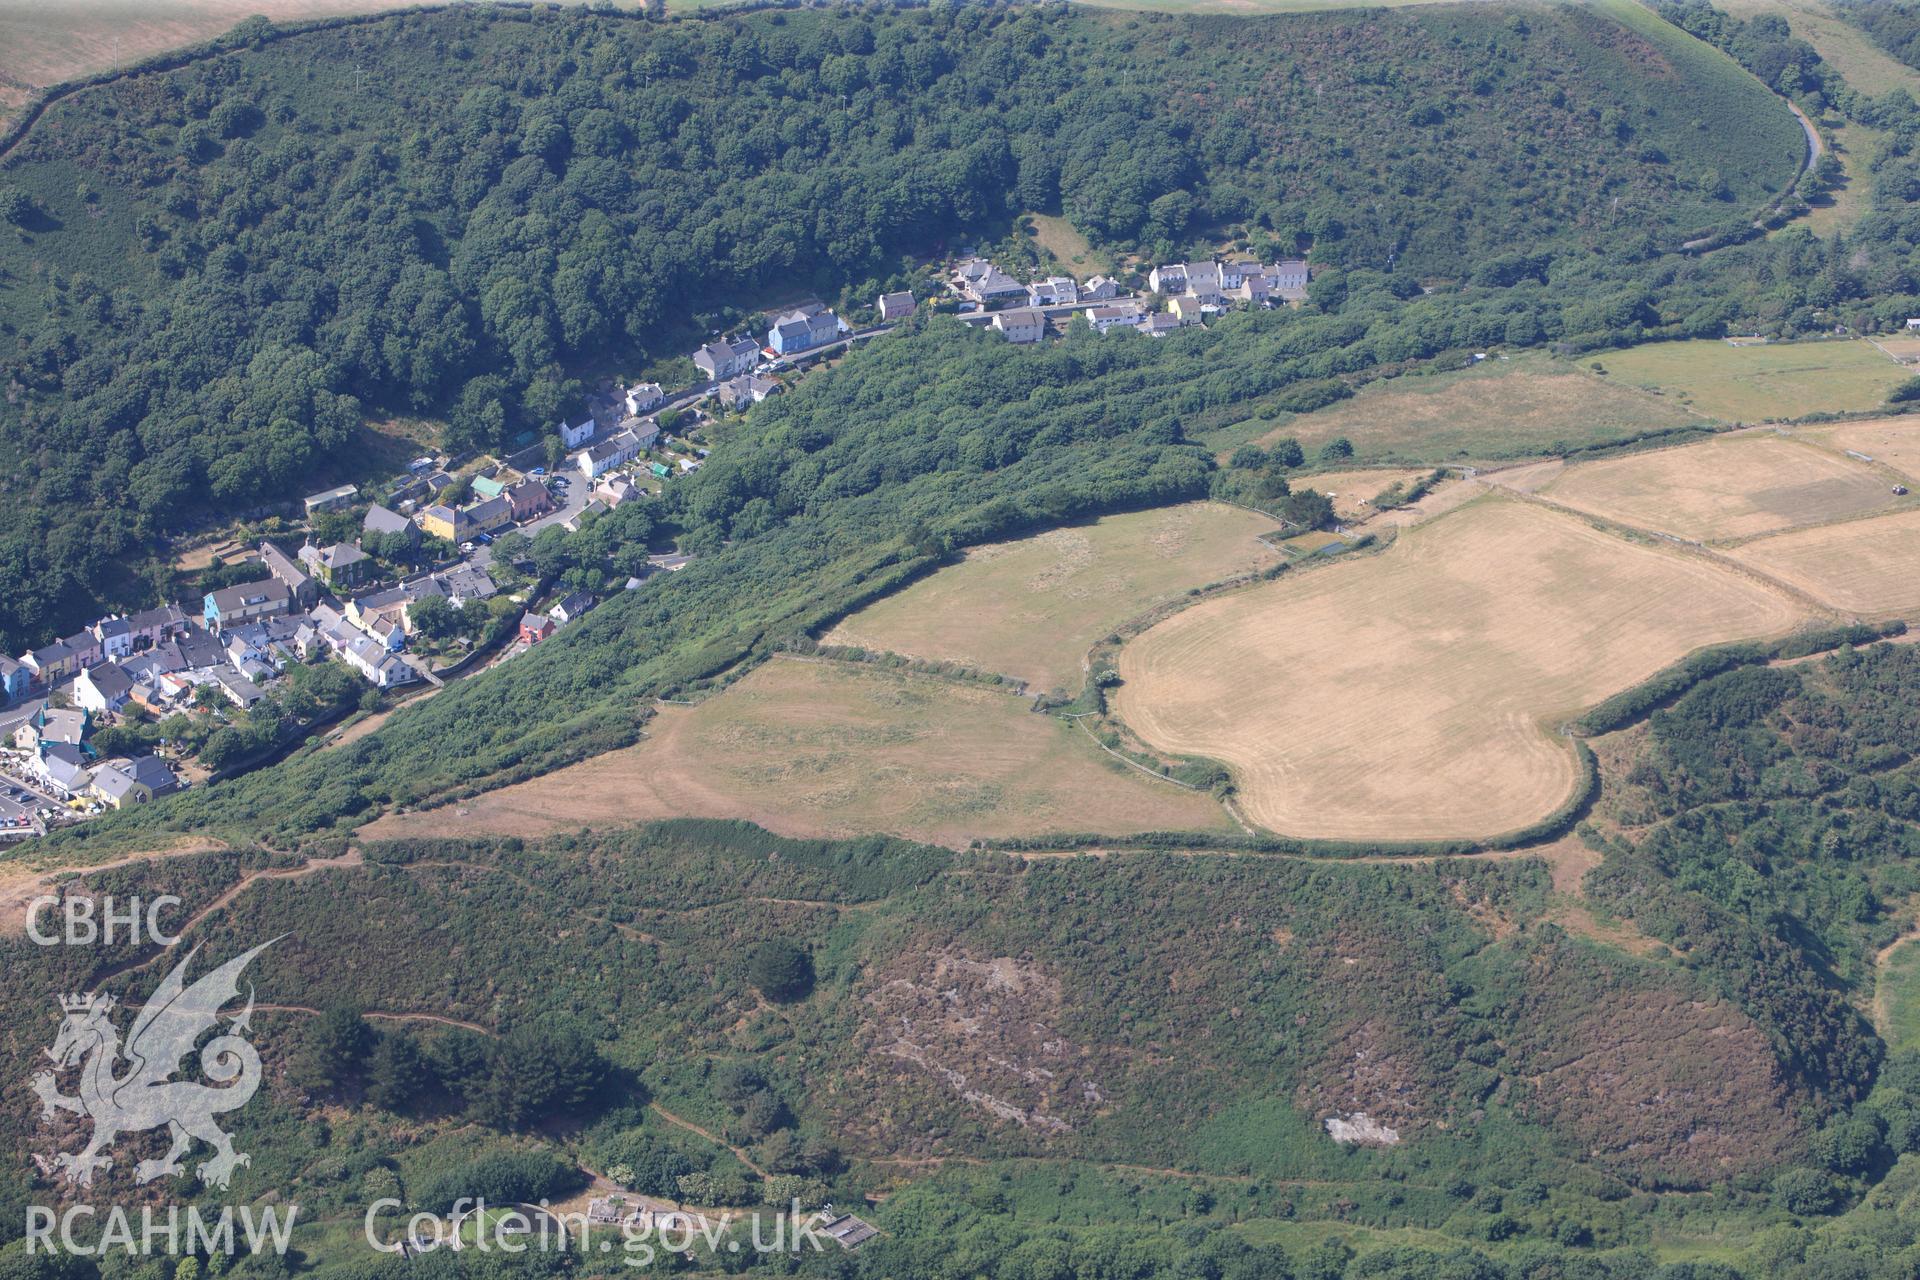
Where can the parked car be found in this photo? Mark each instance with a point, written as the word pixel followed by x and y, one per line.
pixel 538 471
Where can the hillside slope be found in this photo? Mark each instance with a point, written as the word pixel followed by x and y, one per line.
pixel 216 270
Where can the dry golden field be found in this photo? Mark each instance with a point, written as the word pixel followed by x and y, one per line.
pixel 1866 567
pixel 1892 442
pixel 1411 694
pixel 829 749
pixel 1739 486
pixel 1031 608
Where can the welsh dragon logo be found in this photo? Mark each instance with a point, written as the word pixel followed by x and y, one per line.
pixel 145 1095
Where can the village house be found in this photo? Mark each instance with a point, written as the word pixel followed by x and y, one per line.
pixel 616 491
pixel 575 434
pixel 63 769
pixel 152 626
pixel 575 606
pixel 85 648
pixel 261 648
pixel 490 486
pixel 579 519
pixel 239 690
pixel 1022 325
pixel 1100 289
pixel 615 451
pixel 895 306
pixel 246 601
pixel 1168 278
pixel 282 567
pixel 330 499
pixel 102 689
pixel 727 358
pixel 381 668
pixel 342 566
pixel 464 583
pixel 121 782
pixel 440 521
pixel 489 516
pixel 1054 291
pixel 803 329
pixel 1160 324
pixel 747 389
pixel 644 397
pixel 50 663
pixel 1186 308
pixel 380 522
pixel 15 680
pixel 115 637
pixel 984 283
pixel 1288 278
pixel 645 430
pixel 535 627
pixel 527 499
pixel 50 726
pixel 1126 315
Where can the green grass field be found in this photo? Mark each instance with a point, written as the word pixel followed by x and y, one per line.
pixel 1525 406
pixel 1759 383
pixel 1899 1001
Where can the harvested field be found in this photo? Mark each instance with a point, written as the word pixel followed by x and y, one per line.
pixel 831 749
pixel 1866 567
pixel 1031 608
pixel 1892 442
pixel 1410 694
pixel 1739 486
pixel 1761 383
pixel 1501 409
pixel 43 43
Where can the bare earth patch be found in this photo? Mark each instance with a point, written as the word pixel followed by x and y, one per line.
pixel 1032 608
pixel 1732 487
pixel 984 1032
pixel 1410 694
pixel 830 749
pixel 1867 567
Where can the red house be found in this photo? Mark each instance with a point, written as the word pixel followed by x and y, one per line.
pixel 535 627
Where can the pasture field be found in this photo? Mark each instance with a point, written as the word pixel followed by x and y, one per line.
pixel 1866 567
pixel 1898 1000
pixel 809 748
pixel 1032 607
pixel 1522 407
pixel 1740 486
pixel 1411 694
pixel 1762 382
pixel 1067 243
pixel 1892 442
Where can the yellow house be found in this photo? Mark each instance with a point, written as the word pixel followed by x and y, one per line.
pixel 440 522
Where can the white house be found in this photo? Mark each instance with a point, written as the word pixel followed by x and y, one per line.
pixel 573 435
pixel 103 688
pixel 642 396
pixel 1125 315
pixel 615 451
pixel 1021 325
pixel 1054 291
pixel 1099 289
